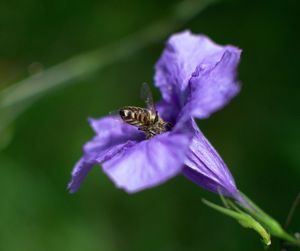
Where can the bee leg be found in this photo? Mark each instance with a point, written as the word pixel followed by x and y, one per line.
pixel 142 128
pixel 148 135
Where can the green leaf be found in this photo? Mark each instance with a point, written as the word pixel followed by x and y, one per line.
pixel 244 219
pixel 270 223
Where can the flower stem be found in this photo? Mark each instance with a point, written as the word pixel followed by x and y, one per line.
pixel 270 223
pixel 289 238
pixel 249 215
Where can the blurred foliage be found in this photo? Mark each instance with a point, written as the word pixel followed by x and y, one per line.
pixel 258 138
pixel 17 97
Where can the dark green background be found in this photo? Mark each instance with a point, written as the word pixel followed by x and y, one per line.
pixel 257 134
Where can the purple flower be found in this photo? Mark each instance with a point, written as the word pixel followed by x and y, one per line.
pixel 196 78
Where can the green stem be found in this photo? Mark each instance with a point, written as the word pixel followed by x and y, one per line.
pixel 243 218
pixel 287 237
pixel 270 223
pixel 249 215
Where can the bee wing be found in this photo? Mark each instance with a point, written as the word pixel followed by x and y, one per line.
pixel 147 96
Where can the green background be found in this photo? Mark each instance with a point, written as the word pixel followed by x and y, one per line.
pixel 257 134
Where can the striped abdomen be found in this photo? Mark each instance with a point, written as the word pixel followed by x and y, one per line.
pixel 137 116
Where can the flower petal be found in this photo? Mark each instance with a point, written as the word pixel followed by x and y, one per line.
pixel 112 128
pixel 205 167
pixel 79 172
pixel 183 53
pixel 148 163
pixel 112 136
pixel 213 88
pixel 167 111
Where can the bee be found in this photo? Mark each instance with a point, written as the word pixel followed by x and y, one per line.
pixel 147 119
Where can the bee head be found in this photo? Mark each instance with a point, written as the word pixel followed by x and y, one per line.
pixel 122 113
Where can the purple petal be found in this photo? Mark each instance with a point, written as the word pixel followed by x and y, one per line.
pixel 183 53
pixel 79 172
pixel 205 167
pixel 148 163
pixel 213 88
pixel 112 129
pixel 167 111
pixel 194 69
pixel 112 136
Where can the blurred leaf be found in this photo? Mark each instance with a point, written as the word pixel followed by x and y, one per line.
pixel 6 137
